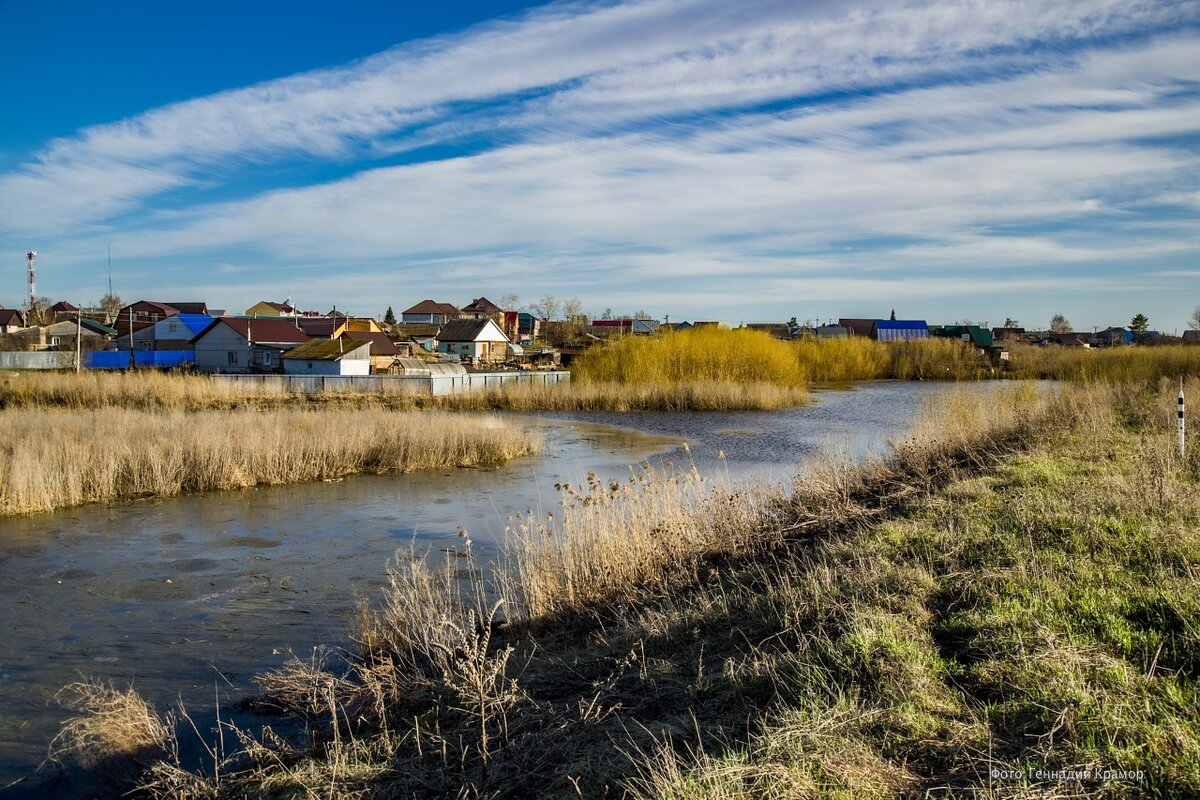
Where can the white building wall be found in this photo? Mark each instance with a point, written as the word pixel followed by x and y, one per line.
pixel 214 349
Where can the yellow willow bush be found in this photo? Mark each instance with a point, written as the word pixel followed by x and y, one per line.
pixel 853 358
pixel 55 459
pixel 703 355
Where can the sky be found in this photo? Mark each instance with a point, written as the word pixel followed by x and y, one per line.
pixel 699 159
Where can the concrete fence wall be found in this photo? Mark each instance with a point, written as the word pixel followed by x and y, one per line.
pixel 396 384
pixel 39 360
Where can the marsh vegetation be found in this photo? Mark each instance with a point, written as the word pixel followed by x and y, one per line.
pixel 1011 589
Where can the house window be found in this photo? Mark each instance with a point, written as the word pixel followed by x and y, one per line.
pixel 54 341
pixel 171 327
pixel 310 365
pixel 233 359
pixel 266 359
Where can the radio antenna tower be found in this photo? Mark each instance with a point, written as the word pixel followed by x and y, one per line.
pixel 31 258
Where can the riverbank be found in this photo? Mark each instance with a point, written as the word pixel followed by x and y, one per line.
pixel 1010 593
pixel 58 458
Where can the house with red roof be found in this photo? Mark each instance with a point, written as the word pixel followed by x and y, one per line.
pixel 242 345
pixel 431 312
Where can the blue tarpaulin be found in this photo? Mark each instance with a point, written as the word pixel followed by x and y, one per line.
pixel 119 359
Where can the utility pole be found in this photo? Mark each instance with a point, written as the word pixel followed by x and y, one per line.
pixel 78 339
pixel 132 361
pixel 31 259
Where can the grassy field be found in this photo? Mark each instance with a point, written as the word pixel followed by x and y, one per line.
pixel 56 458
pixel 1007 607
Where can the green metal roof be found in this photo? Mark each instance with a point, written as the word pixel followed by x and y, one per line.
pixel 324 349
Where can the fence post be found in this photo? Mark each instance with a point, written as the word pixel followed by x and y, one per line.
pixel 1181 422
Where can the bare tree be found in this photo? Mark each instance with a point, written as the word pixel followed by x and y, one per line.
pixel 1194 321
pixel 111 304
pixel 510 302
pixel 1060 324
pixel 39 312
pixel 546 308
pixel 608 313
pixel 573 310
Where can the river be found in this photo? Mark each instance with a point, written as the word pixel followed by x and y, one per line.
pixel 189 597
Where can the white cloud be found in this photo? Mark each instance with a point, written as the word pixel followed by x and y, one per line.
pixel 633 144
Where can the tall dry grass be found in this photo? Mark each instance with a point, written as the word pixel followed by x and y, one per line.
pixel 1112 365
pixel 144 389
pixel 55 459
pixel 610 540
pixel 706 395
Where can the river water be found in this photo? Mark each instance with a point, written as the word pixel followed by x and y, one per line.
pixel 189 597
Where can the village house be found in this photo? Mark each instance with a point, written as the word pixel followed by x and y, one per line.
pixel 623 326
pixel 265 308
pixel 482 308
pixel 173 333
pixel 11 320
pixel 144 311
pixel 342 356
pixel 1008 334
pixel 777 330
pixel 521 326
pixel 1111 337
pixel 62 336
pixel 474 340
pixel 242 345
pixel 63 310
pixel 416 335
pixel 430 313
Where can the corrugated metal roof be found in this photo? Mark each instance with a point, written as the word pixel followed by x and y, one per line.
pixel 466 330
pixel 901 324
pixel 324 350
pixel 261 329
pixel 381 345
pixel 196 323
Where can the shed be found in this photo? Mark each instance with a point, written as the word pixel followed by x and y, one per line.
pixel 340 356
pixel 383 349
pixel 900 330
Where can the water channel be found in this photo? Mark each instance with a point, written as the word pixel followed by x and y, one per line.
pixel 189 597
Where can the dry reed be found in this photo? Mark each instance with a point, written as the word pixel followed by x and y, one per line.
pixel 700 395
pixel 56 459
pixel 112 725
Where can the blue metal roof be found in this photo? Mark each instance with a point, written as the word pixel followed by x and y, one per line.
pixel 901 324
pixel 196 323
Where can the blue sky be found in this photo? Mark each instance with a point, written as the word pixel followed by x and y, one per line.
pixel 697 158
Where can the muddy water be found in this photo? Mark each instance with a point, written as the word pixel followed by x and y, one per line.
pixel 189 597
